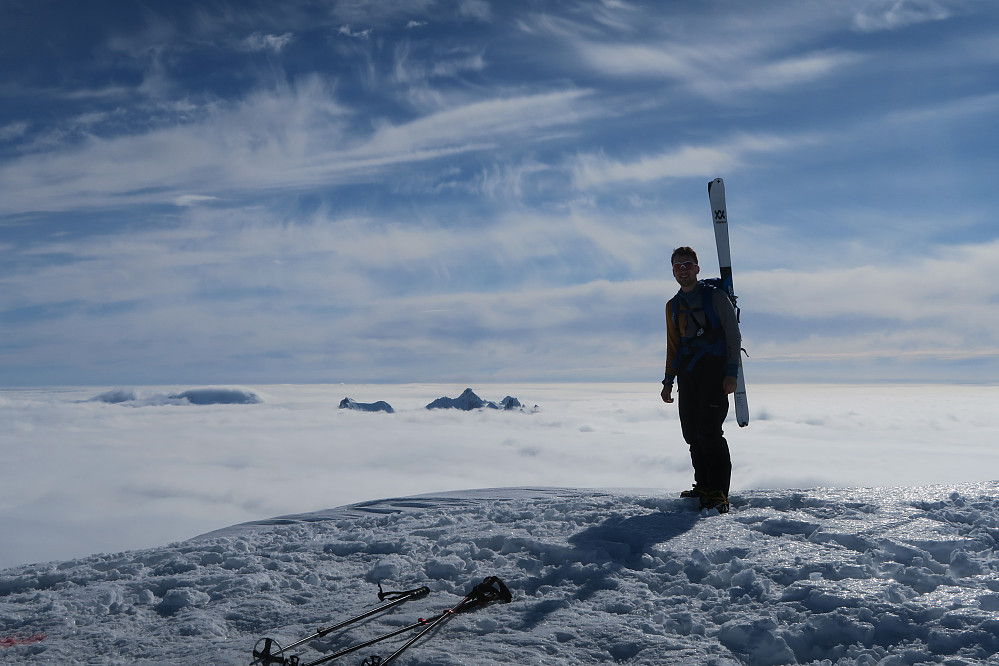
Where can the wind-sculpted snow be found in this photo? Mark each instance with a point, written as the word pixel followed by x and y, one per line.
pixel 878 576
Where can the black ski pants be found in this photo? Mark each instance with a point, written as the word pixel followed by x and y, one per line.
pixel 702 406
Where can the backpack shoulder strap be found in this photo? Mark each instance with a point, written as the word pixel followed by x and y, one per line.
pixel 674 306
pixel 708 301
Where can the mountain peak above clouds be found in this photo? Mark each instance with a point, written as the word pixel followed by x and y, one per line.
pixel 469 401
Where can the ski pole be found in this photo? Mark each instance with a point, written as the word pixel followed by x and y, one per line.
pixel 490 589
pixel 267 655
pixel 353 648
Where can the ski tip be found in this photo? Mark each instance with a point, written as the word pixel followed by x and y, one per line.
pixel 718 181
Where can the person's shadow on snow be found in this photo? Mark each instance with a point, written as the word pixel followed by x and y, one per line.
pixel 600 551
pixel 626 539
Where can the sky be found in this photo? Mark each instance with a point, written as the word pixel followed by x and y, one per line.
pixel 413 190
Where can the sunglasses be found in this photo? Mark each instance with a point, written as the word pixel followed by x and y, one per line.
pixel 684 266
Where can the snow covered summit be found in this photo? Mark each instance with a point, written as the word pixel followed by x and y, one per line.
pixel 865 577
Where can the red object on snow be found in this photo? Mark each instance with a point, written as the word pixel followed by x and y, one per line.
pixel 11 641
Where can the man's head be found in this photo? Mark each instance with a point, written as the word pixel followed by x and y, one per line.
pixel 685 268
pixel 686 252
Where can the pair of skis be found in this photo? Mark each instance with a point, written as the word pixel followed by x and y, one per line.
pixel 719 211
pixel 267 652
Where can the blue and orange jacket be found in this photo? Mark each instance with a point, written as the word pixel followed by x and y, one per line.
pixel 708 310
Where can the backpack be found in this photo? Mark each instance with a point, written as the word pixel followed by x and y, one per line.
pixel 710 338
pixel 719 283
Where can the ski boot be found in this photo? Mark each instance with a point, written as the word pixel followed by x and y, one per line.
pixel 696 491
pixel 715 499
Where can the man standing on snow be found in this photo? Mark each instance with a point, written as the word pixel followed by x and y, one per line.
pixel 703 344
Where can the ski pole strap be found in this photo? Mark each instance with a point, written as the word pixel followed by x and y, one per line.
pixel 490 589
pixel 402 594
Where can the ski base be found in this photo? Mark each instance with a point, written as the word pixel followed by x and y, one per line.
pixel 741 402
pixel 719 213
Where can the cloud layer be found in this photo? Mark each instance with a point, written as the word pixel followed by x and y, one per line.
pixel 143 466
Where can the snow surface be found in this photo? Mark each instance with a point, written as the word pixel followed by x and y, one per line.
pixel 847 576
pixel 837 573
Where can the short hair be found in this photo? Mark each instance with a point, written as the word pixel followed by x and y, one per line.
pixel 685 251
